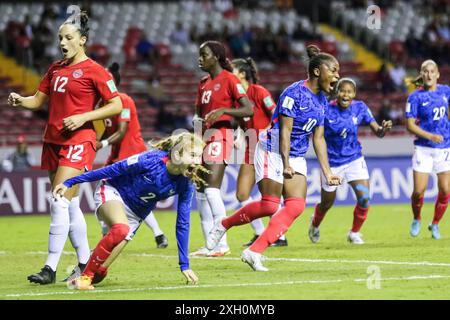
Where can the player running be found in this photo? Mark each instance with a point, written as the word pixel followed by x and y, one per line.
pixel 280 166
pixel 263 108
pixel 427 117
pixel 128 192
pixel 342 120
pixel 220 98
pixel 72 87
pixel 123 133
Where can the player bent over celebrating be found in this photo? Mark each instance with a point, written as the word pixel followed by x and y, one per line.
pixel 128 192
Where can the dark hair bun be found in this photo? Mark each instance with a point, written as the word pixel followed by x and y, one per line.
pixel 312 50
pixel 114 67
pixel 84 18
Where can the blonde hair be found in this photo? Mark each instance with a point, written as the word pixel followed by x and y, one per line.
pixel 418 81
pixel 178 143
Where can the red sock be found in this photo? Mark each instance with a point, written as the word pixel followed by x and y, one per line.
pixel 359 216
pixel 416 205
pixel 440 207
pixel 279 223
pixel 267 206
pixel 102 251
pixel 318 216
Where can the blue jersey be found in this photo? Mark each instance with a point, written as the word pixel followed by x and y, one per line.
pixel 430 108
pixel 142 180
pixel 341 131
pixel 306 108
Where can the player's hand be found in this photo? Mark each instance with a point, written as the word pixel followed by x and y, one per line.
pixel 333 180
pixel 74 122
pixel 98 146
pixel 436 138
pixel 197 121
pixel 15 100
pixel 387 125
pixel 191 277
pixel 59 190
pixel 239 139
pixel 212 117
pixel 288 173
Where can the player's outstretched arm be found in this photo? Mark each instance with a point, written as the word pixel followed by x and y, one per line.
pixel 30 103
pixel 320 148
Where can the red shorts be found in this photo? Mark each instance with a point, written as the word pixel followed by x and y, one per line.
pixel 77 156
pixel 219 146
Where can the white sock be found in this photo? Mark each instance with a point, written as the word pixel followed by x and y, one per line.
pixel 217 208
pixel 256 224
pixel 78 231
pixel 59 230
pixel 206 216
pixel 151 222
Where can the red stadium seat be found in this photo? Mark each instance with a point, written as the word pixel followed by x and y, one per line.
pixel 99 53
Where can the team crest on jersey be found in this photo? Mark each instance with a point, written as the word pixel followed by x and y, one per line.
pixel 355 120
pixel 77 73
pixel 217 87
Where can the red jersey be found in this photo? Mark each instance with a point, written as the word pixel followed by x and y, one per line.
pixel 263 104
pixel 221 92
pixel 132 143
pixel 74 90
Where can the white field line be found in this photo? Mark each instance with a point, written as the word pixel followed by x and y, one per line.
pixel 407 263
pixel 387 262
pixel 256 284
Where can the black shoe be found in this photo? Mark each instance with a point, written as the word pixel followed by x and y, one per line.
pixel 76 272
pixel 248 244
pixel 161 241
pixel 45 276
pixel 279 243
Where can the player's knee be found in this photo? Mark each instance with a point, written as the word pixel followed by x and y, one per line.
pixel 417 196
pixel 118 232
pixel 325 206
pixel 242 196
pixel 364 195
pixel 270 205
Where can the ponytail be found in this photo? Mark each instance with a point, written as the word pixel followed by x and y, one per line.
pixel 114 70
pixel 248 66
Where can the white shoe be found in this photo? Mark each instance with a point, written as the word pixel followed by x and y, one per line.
pixel 215 235
pixel 355 237
pixel 313 232
pixel 253 259
pixel 219 251
pixel 201 252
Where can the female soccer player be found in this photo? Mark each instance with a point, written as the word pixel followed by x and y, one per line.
pixel 123 133
pixel 218 95
pixel 427 117
pixel 128 192
pixel 72 86
pixel 263 108
pixel 280 166
pixel 342 119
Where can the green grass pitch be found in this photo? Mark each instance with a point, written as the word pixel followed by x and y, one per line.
pixel 391 265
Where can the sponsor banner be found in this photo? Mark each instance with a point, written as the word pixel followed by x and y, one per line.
pixel 391 181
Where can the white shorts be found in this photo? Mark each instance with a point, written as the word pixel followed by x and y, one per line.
pixel 428 160
pixel 355 170
pixel 105 192
pixel 269 165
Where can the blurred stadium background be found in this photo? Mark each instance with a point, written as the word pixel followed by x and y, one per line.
pixel 156 44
